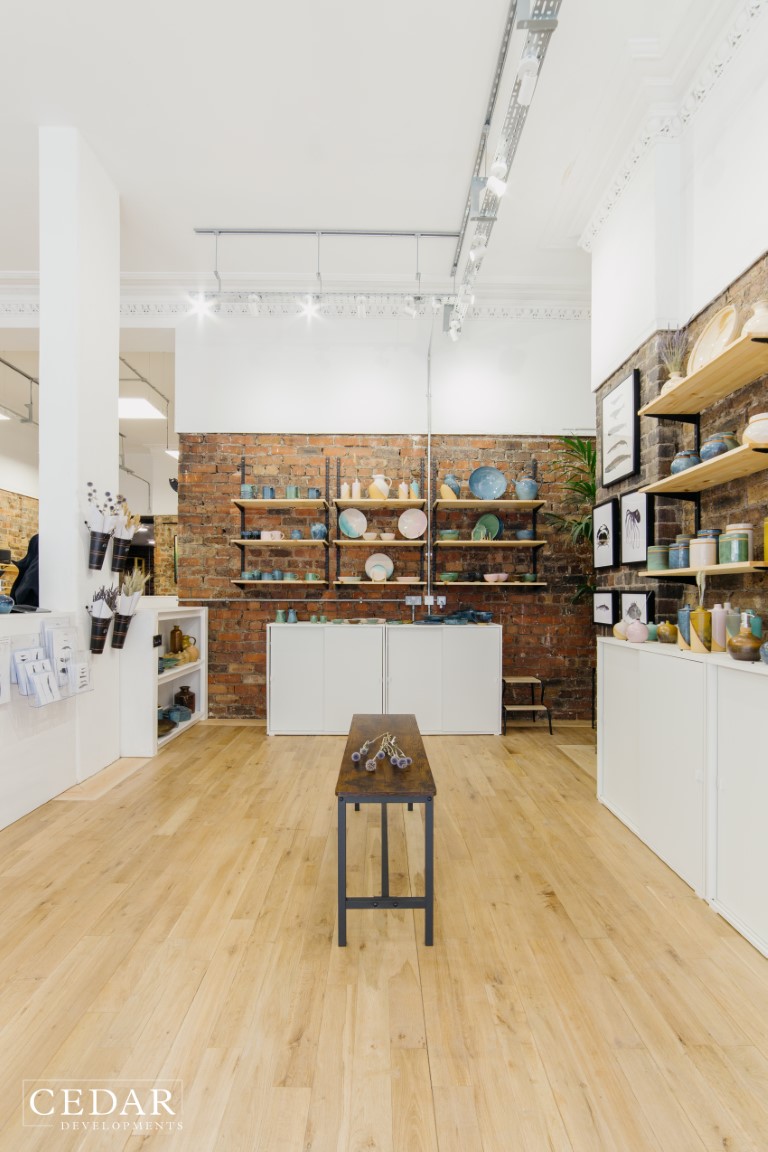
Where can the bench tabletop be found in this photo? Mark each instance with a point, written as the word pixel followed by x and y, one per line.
pixel 387 780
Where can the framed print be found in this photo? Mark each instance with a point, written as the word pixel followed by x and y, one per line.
pixel 636 514
pixel 605 530
pixel 604 607
pixel 637 605
pixel 620 439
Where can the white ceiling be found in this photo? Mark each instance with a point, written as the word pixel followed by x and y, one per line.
pixel 332 114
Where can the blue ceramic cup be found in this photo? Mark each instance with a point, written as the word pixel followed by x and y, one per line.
pixel 296 534
pixel 313 493
pixel 246 491
pixel 292 492
pixel 267 492
pixel 277 574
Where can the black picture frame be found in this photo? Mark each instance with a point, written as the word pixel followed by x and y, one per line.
pixel 636 513
pixel 605 533
pixel 605 607
pixel 620 430
pixel 637 600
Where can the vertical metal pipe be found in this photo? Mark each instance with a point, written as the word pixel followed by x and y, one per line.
pixel 428 487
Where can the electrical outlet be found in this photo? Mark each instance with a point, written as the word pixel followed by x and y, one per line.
pixel 429 601
pixel 441 601
pixel 413 601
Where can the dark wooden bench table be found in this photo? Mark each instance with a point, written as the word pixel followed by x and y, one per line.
pixel 387 785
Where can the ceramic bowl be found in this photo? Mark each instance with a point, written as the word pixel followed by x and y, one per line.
pixel 407 579
pixel 529 577
pixel 350 579
pixel 448 533
pixel 487 484
pixel 490 577
pixel 387 535
pixel 525 534
pixel 449 577
pixel 501 577
pixel 370 535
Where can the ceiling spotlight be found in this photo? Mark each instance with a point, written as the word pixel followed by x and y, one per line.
pixel 409 307
pixel 477 187
pixel 437 304
pixel 454 332
pixel 527 74
pixel 200 306
pixel 254 304
pixel 361 309
pixel 478 249
pixel 310 307
pixel 497 179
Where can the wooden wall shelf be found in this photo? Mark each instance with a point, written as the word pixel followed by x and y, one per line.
pixel 504 505
pixel 743 361
pixel 708 569
pixel 280 503
pixel 733 465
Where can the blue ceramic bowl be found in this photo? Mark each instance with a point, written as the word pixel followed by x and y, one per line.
pixel 487 484
pixel 525 534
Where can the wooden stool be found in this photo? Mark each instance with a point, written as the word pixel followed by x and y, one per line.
pixel 533 707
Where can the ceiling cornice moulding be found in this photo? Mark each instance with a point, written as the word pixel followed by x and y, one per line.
pixel 658 126
pixel 329 306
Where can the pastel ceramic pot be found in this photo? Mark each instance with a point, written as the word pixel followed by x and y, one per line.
pixel 701 630
pixel 703 552
pixel 667 632
pixel 525 534
pixel 658 557
pixel 451 482
pixel 318 531
pixel 449 577
pixel 684 460
pixel 637 632
pixel 745 646
pixel 684 628
pixel 526 488
pixel 620 630
pixel 764 652
pixel 717 444
pixel 653 631
pixel 756 432
pixel 679 556
pixel 744 527
pixel 733 548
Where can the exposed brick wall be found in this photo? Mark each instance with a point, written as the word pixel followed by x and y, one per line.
pixel 544 632
pixel 741 500
pixel 166 528
pixel 18 522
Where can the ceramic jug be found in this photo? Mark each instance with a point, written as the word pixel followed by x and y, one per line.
pixel 379 490
pixel 526 488
pixel 292 617
pixel 280 616
pixel 402 491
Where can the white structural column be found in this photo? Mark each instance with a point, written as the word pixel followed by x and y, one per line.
pixel 79 349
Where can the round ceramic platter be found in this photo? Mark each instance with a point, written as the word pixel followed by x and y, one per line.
pixel 717 335
pixel 379 560
pixel 412 523
pixel 352 523
pixel 487 484
pixel 492 525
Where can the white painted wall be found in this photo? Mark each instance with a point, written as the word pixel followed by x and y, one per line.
pixel 283 374
pixel 691 219
pixel 18 458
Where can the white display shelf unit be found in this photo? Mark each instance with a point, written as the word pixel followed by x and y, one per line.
pixel 527 507
pixel 142 690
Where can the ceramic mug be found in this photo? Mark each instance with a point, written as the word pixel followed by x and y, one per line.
pixel 292 492
pixel 246 491
pixel 296 534
pixel 267 492
pixel 277 574
pixel 313 493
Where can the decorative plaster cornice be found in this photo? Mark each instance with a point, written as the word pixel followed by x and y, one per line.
pixel 330 305
pixel 667 125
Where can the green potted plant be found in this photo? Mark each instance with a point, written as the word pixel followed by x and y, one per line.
pixel 575 469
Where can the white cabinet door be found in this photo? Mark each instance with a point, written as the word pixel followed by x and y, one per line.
pixel 651 741
pixel 742 803
pixel 295 685
pixel 353 674
pixel 471 679
pixel 415 674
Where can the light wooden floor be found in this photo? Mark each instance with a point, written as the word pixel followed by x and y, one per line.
pixel 578 996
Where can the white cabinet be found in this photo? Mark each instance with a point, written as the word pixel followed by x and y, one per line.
pixel 319 675
pixel 415 673
pixel 142 690
pixel 741 868
pixel 652 750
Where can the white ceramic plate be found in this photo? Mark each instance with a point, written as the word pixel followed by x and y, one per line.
pixel 717 335
pixel 412 523
pixel 379 560
pixel 378 573
pixel 352 523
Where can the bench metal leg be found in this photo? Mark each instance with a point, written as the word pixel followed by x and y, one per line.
pixel 342 877
pixel 384 852
pixel 429 878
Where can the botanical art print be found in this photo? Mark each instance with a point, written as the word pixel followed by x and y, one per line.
pixel 620 427
pixel 604 607
pixel 636 606
pixel 605 534
pixel 636 527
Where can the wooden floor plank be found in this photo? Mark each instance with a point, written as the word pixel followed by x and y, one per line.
pixel 181 923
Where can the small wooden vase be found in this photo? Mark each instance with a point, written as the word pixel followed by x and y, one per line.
pixel 745 646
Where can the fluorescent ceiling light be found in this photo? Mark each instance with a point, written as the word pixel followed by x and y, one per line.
pixel 172 452
pixel 137 408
